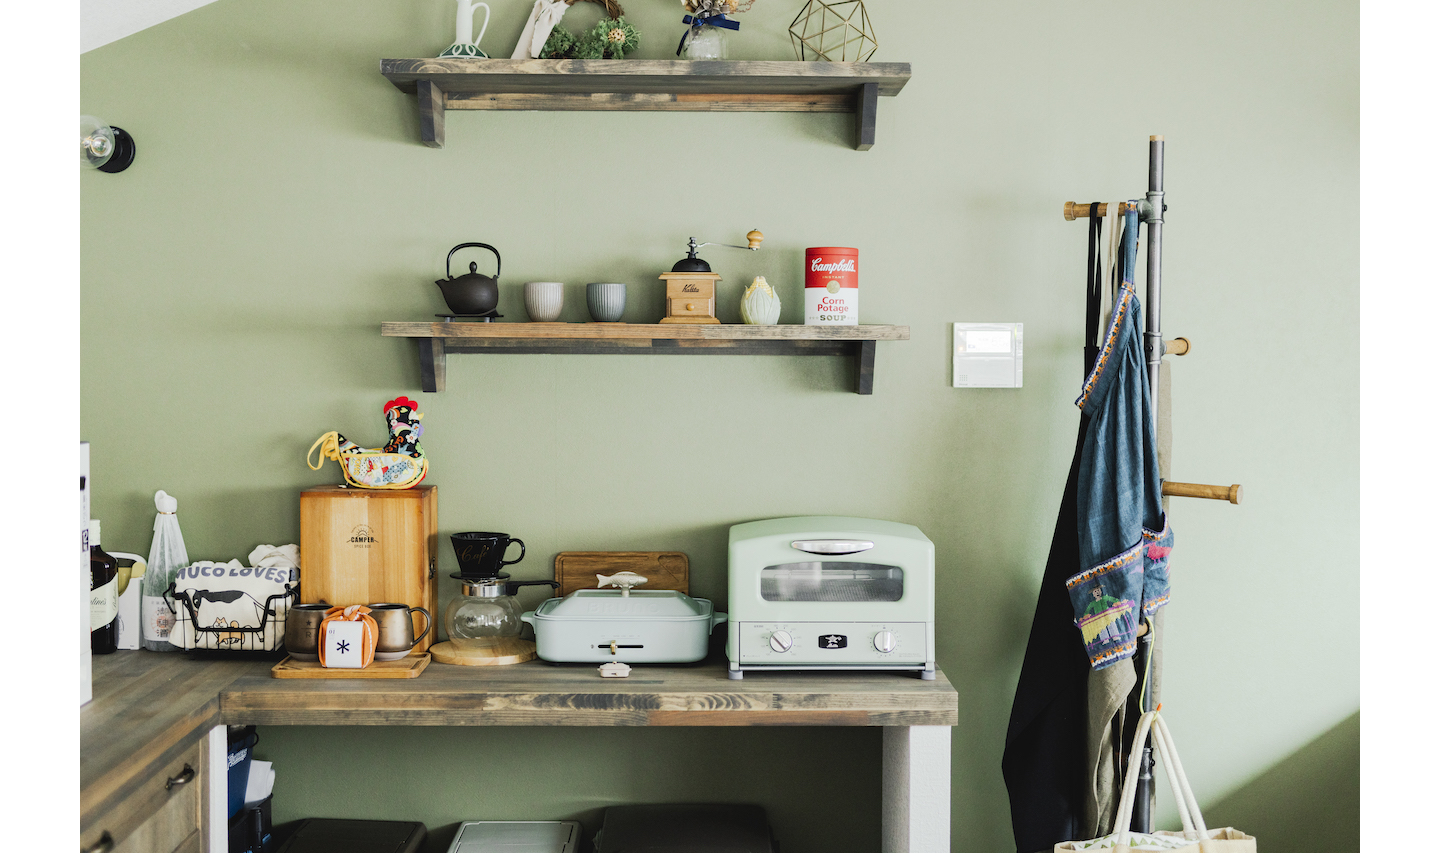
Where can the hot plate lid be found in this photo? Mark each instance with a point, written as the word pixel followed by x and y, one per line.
pixel 653 604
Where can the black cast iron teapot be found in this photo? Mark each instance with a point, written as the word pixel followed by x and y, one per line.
pixel 471 293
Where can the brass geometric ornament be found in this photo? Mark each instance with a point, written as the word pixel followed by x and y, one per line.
pixel 837 31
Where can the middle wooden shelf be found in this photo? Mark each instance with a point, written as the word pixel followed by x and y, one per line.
pixel 437 340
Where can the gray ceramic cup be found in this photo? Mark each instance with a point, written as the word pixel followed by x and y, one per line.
pixel 543 300
pixel 606 301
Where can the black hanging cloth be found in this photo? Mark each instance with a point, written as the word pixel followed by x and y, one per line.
pixel 1044 761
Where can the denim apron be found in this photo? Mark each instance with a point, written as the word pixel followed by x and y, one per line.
pixel 1125 540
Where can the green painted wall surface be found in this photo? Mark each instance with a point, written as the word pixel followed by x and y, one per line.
pixel 1308 803
pixel 234 279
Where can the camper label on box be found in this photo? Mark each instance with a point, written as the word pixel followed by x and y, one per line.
pixel 362 536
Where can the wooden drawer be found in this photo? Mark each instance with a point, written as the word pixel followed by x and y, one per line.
pixel 153 819
pixel 692 307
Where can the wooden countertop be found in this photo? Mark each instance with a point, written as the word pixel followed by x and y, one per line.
pixel 540 694
pixel 149 707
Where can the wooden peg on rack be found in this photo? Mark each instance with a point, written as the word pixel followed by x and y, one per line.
pixel 1177 346
pixel 1232 493
pixel 1081 209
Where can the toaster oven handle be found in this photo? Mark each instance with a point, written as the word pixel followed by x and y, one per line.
pixel 832 546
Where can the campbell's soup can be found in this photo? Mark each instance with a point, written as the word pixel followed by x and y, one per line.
pixel 832 286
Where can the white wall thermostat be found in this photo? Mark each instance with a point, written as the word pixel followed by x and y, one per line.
pixel 988 355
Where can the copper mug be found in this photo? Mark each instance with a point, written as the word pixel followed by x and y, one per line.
pixel 397 629
pixel 302 630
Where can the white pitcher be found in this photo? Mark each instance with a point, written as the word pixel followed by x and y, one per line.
pixel 464 25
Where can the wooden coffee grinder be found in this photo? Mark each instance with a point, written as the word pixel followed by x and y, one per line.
pixel 690 285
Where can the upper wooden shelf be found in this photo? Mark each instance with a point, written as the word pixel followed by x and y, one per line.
pixel 468 83
pixel 438 339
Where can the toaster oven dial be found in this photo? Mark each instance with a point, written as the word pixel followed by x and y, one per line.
pixel 885 642
pixel 781 641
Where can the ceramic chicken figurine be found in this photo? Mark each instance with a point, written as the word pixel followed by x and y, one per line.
pixel 400 464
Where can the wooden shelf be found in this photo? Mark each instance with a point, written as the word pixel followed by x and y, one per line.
pixel 542 694
pixel 437 340
pixel 467 83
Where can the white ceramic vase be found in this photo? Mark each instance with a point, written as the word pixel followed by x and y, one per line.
pixel 543 300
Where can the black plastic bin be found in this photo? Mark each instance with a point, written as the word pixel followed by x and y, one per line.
pixel 331 835
pixel 687 828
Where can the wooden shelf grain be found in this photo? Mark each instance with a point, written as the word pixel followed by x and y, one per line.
pixel 542 694
pixel 437 340
pixel 468 83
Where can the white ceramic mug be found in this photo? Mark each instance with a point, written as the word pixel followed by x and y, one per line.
pixel 543 300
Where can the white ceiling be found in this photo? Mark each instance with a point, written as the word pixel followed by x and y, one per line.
pixel 104 21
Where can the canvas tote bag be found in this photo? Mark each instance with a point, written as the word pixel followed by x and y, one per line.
pixel 1194 837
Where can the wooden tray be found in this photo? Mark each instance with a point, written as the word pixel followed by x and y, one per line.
pixel 406 667
pixel 665 569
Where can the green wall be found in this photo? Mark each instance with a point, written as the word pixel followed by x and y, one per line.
pixel 234 279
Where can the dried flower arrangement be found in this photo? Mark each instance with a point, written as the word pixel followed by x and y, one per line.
pixel 711 13
pixel 612 38
pixel 706 8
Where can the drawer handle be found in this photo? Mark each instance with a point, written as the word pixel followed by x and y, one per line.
pixel 180 778
pixel 104 845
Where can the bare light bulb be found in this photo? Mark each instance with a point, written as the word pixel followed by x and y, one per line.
pixel 104 147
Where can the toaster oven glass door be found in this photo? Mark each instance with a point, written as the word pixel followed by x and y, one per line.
pixel 826 580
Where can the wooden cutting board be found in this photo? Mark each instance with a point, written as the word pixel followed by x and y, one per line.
pixel 665 569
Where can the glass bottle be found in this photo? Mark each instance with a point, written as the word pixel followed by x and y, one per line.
pixel 104 596
pixel 705 43
pixel 167 556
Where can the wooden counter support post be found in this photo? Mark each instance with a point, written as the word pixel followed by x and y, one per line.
pixel 432 113
pixel 866 102
pixel 865 368
pixel 432 364
pixel 216 802
pixel 915 790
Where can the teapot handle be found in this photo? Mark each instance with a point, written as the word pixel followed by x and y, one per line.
pixel 477 246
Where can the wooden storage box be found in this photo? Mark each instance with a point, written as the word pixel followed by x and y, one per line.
pixel 363 546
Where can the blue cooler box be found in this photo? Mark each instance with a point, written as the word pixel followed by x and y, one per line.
pixel 242 740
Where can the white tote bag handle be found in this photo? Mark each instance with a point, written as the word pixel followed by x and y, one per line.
pixel 1191 821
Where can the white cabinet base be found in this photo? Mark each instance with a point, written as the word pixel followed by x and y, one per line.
pixel 915 790
pixel 218 840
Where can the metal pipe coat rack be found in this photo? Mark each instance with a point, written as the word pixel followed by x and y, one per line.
pixel 1152 211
